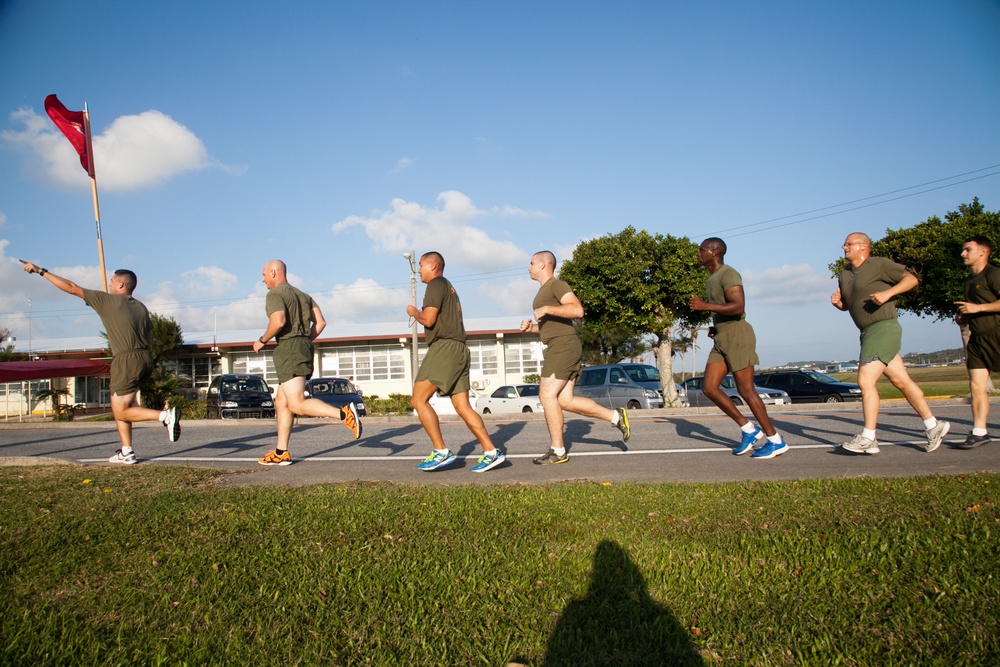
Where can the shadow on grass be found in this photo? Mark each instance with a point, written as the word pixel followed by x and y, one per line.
pixel 617 623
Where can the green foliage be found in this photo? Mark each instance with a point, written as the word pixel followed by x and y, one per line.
pixel 532 378
pixel 63 412
pixel 162 384
pixel 167 337
pixel 7 352
pixel 609 345
pixel 932 251
pixel 396 404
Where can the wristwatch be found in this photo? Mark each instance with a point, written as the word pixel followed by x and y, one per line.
pixel 262 341
pixel 42 272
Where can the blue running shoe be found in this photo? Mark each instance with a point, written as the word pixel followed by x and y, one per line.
pixel 489 460
pixel 437 460
pixel 747 443
pixel 770 450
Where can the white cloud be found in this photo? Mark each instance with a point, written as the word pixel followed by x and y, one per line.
pixel 3 219
pixel 514 298
pixel 209 281
pixel 364 300
pixel 447 229
pixel 786 285
pixel 135 151
pixel 402 164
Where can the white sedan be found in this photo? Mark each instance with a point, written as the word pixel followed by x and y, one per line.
pixel 511 398
pixel 443 405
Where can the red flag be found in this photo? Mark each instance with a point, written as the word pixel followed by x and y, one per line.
pixel 73 125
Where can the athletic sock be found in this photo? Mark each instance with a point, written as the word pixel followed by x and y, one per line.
pixel 748 428
pixel 930 423
pixel 163 416
pixel 616 417
pixel 280 452
pixel 774 439
pixel 980 431
pixel 560 451
pixel 868 433
pixel 126 451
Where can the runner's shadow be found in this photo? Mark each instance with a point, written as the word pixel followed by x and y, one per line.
pixel 383 440
pixel 617 623
pixel 579 431
pixel 697 431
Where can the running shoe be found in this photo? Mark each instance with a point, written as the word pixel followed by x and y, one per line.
pixel 272 459
pixel 622 424
pixel 936 435
pixel 127 459
pixel 748 441
pixel 551 458
pixel 437 460
pixel 173 424
pixel 770 450
pixel 351 419
pixel 972 441
pixel 859 444
pixel 489 460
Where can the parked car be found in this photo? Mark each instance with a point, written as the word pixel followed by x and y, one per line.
pixel 443 406
pixel 233 396
pixel 648 376
pixel 805 386
pixel 612 387
pixel 337 392
pixel 697 399
pixel 511 398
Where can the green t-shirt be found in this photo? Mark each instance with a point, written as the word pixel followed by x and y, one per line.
pixel 550 294
pixel 298 308
pixel 725 278
pixel 857 284
pixel 984 287
pixel 126 320
pixel 441 295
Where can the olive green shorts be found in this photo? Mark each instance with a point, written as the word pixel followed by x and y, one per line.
pixel 446 366
pixel 561 358
pixel 129 370
pixel 983 351
pixel 735 345
pixel 881 341
pixel 293 358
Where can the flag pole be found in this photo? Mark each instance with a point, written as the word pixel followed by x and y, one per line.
pixel 93 189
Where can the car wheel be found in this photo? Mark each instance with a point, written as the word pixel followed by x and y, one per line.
pixel 486 411
pixel 737 401
pixel 527 408
pixel 633 405
pixel 833 398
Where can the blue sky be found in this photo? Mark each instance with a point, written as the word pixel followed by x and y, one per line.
pixel 339 135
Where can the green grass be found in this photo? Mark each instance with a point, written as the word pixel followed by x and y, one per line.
pixel 933 380
pixel 152 565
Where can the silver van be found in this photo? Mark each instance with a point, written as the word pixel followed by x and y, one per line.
pixel 613 387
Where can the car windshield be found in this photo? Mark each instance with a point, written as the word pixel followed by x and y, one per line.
pixel 643 373
pixel 822 377
pixel 528 389
pixel 325 388
pixel 245 385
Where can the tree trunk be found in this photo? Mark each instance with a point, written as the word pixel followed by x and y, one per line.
pixel 665 364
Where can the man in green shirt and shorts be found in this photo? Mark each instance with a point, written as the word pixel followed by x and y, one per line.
pixel 554 308
pixel 445 368
pixel 980 311
pixel 294 320
pixel 735 352
pixel 130 331
pixel 867 289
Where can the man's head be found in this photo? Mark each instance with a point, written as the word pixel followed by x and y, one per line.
pixel 857 247
pixel 274 273
pixel 976 251
pixel 431 266
pixel 710 250
pixel 543 265
pixel 123 282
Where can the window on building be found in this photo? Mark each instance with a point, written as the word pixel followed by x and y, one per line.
pixel 484 357
pixel 365 364
pixel 522 358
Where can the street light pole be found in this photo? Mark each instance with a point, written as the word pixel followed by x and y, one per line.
pixel 411 257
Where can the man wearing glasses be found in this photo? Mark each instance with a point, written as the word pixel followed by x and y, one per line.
pixel 867 289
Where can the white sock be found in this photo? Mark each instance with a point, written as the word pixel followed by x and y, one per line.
pixel 930 423
pixel 163 415
pixel 748 428
pixel 980 431
pixel 616 417
pixel 126 451
pixel 560 451
pixel 775 439
pixel 868 433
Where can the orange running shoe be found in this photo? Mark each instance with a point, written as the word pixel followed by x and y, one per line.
pixel 272 459
pixel 351 419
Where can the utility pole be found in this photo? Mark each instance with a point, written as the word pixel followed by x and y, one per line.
pixel 415 359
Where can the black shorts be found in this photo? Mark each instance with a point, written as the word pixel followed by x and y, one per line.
pixel 983 351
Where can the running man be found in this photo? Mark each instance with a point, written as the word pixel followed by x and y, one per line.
pixel 445 368
pixel 294 320
pixel 555 307
pixel 981 311
pixel 735 351
pixel 130 331
pixel 867 289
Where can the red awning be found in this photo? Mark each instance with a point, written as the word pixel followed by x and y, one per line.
pixel 18 371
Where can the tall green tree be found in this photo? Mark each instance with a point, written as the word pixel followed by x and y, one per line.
pixel 932 250
pixel 634 283
pixel 167 340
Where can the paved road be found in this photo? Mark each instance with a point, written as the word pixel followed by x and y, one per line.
pixel 666 446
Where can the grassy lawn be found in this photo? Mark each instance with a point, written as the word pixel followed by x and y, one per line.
pixel 152 565
pixel 933 380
